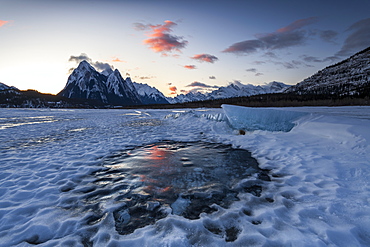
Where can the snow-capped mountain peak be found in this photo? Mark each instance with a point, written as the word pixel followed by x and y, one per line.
pixel 107 72
pixel 149 95
pixel 85 66
pixel 108 87
pixel 234 89
pixel 114 83
pixel 6 87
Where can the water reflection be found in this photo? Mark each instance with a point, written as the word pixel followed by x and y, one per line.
pixel 183 178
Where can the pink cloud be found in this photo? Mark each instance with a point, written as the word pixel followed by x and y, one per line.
pixel 2 23
pixel 116 59
pixel 160 39
pixel 205 58
pixel 297 24
pixel 190 67
pixel 173 89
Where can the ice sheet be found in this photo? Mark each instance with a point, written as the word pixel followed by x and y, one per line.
pixel 248 118
pixel 318 196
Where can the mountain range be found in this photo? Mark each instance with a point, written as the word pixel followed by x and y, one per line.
pixel 87 87
pixel 235 89
pixel 110 88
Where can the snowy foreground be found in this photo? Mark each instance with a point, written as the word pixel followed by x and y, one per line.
pixel 319 193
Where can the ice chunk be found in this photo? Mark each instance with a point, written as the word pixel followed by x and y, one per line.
pixel 180 205
pixel 247 118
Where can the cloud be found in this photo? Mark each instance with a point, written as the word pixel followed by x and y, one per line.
pixel 145 77
pixel 251 70
pixel 173 89
pixel 358 40
pixel 97 65
pixel 331 59
pixel 70 70
pixel 2 23
pixel 294 64
pixel 271 54
pixel 140 26
pixel 200 85
pixel 291 35
pixel 254 70
pixel 102 66
pixel 205 58
pixel 116 59
pixel 160 40
pixel 328 35
pixel 237 83
pixel 246 47
pixel 297 24
pixel 311 59
pixel 289 65
pixel 200 90
pixel 282 40
pixel 212 77
pixel 80 58
pixel 190 67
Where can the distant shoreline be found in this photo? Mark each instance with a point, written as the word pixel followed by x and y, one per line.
pixel 265 100
pixel 34 99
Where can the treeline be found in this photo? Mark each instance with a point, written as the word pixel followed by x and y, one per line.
pixel 273 100
pixel 34 99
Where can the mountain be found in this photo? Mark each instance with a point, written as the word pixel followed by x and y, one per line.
pixel 348 77
pixel 189 97
pixel 86 83
pixel 120 91
pixel 109 87
pixel 6 87
pixel 235 89
pixel 149 95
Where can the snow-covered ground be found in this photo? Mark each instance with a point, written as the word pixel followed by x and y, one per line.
pixel 319 193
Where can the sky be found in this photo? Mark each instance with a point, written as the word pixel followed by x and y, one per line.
pixel 178 46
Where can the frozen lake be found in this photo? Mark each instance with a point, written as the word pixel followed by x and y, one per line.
pixel 183 178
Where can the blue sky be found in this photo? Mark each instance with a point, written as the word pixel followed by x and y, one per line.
pixel 178 46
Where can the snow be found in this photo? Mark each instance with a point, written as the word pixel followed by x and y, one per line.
pixel 115 84
pixel 235 89
pixel 107 72
pixel 144 90
pixel 109 87
pixel 344 77
pixel 6 87
pixel 319 193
